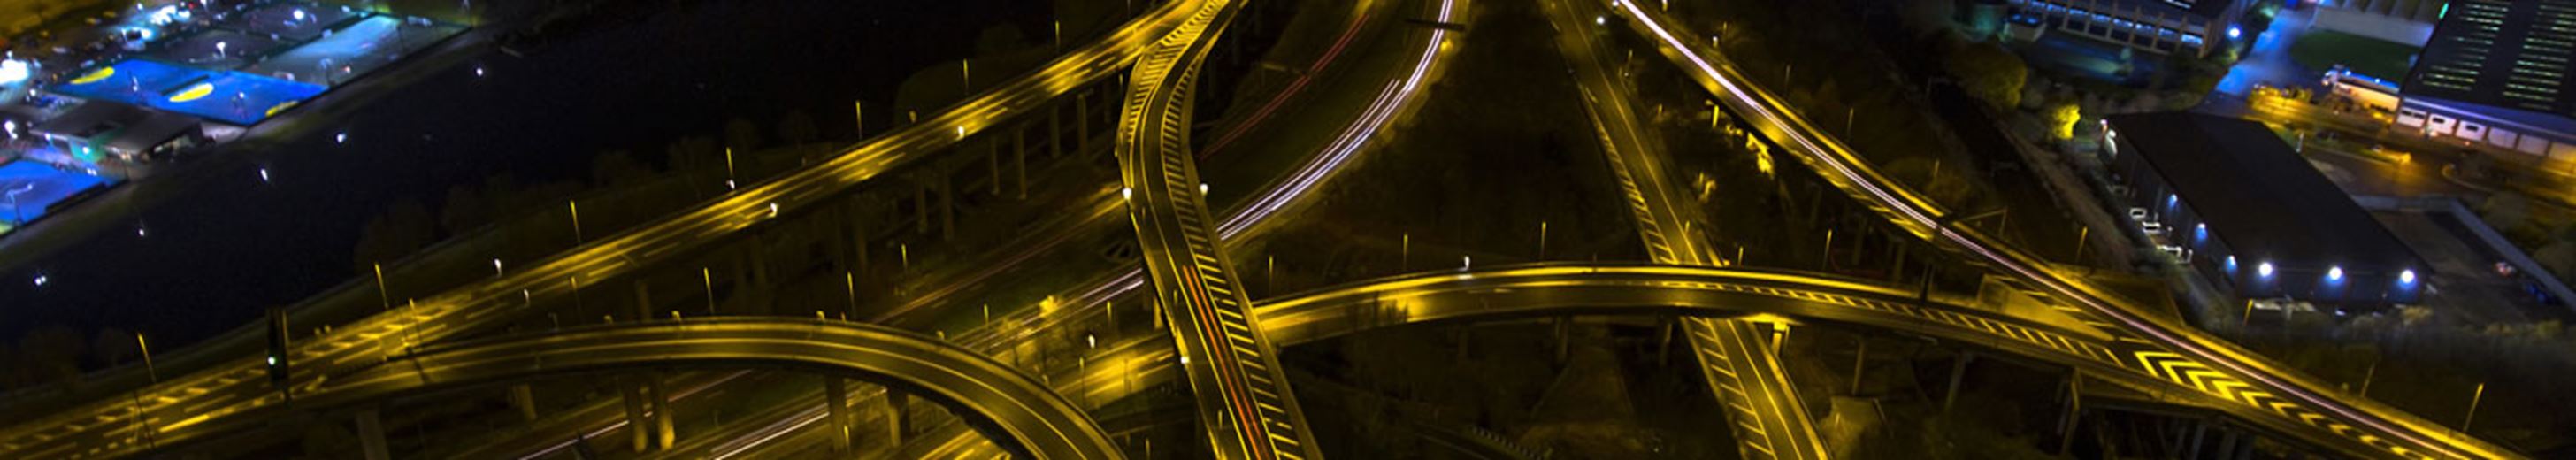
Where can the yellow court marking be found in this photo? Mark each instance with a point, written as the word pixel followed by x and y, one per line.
pixel 95 75
pixel 194 92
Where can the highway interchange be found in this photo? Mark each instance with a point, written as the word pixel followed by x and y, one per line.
pixel 1225 341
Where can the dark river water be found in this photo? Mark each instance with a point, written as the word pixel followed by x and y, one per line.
pixel 223 250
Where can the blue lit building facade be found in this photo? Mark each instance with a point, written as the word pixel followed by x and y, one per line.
pixel 2193 27
pixel 2244 211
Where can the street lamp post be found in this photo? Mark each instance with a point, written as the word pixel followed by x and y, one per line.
pixel 2473 407
pixel 707 278
pixel 147 358
pixel 383 294
pixel 575 206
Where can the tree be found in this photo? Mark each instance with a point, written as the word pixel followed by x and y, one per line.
pixel 504 199
pixel 695 154
pixel 994 41
pixel 404 227
pixel 2062 117
pixel 618 168
pixel 51 354
pixel 741 136
pixel 1944 186
pixel 2508 212
pixel 464 210
pixel 1989 72
pixel 796 128
pixel 114 346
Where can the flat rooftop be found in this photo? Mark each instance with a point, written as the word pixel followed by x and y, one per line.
pixel 2261 198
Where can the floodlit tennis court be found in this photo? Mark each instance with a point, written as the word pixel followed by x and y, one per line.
pixel 230 97
pixel 350 51
pixel 134 81
pixel 27 188
pixel 237 98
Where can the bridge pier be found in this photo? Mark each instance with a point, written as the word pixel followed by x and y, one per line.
pixel 2074 408
pixel 1466 341
pixel 2243 450
pixel 643 300
pixel 1664 342
pixel 947 209
pixel 895 417
pixel 1860 361
pixel 1958 368
pixel 760 281
pixel 636 423
pixel 371 435
pixel 662 411
pixel 1081 121
pixel 526 401
pixel 1564 329
pixel 2199 431
pixel 921 204
pixel 2227 443
pixel 836 402
pixel 1020 157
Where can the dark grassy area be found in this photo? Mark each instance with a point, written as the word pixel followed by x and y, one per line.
pixel 2319 50
pixel 1465 176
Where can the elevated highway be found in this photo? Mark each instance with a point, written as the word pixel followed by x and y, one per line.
pixel 2170 350
pixel 1401 88
pixel 1244 398
pixel 240 384
pixel 1769 419
pixel 1023 414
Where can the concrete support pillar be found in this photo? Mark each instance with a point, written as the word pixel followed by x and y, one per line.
pixel 837 238
pixel 643 301
pixel 921 203
pixel 1958 368
pixel 1020 158
pixel 371 435
pixel 1055 131
pixel 1860 361
pixel 2074 408
pixel 2227 438
pixel 836 402
pixel 1664 342
pixel 2244 448
pixel 993 165
pixel 1082 123
pixel 1564 331
pixel 947 209
pixel 662 411
pixel 636 421
pixel 2199 431
pixel 759 287
pixel 1466 341
pixel 525 399
pixel 896 418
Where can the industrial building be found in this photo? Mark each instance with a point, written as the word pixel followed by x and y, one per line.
pixel 2239 207
pixel 2193 27
pixel 2495 77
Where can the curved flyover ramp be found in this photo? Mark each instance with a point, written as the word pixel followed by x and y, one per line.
pixel 1548 290
pixel 1023 414
pixel 1244 398
pixel 121 420
pixel 2187 356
